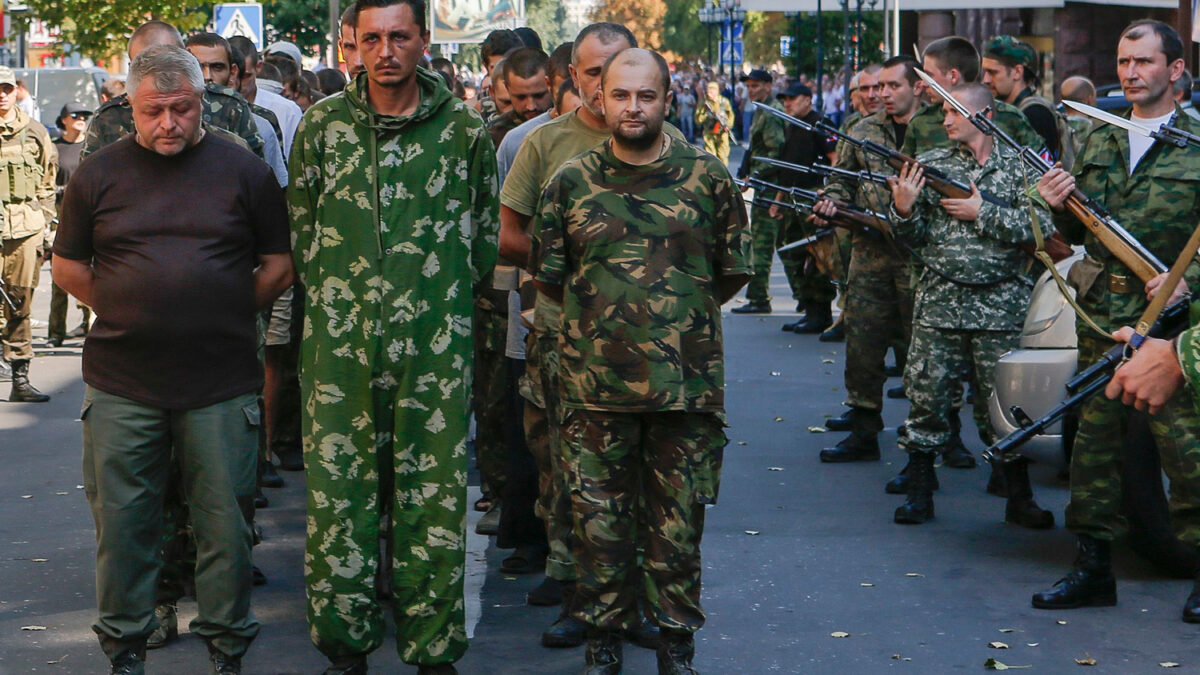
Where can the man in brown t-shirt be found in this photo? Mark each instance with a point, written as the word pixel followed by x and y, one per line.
pixel 176 258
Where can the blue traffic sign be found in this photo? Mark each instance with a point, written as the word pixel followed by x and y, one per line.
pixel 738 52
pixel 240 18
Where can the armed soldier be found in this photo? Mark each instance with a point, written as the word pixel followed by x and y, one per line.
pixel 1153 189
pixel 1010 71
pixel 766 140
pixel 879 280
pixel 714 115
pixel 972 292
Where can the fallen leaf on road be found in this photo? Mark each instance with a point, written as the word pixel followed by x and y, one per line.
pixel 866 585
pixel 38 560
pixel 33 628
pixel 827 361
pixel 741 442
pixel 1008 630
pixel 913 574
pixel 817 430
pixel 78 487
pixel 26 496
pixel 1061 623
pixel 839 634
pixel 1032 644
pixel 997 645
pixel 778 419
pixel 993 664
pixel 775 373
pixel 1087 660
pixel 510 578
pixel 752 532
pixel 61 493
pixel 774 468
pixel 60 660
pixel 897 657
pixel 1169 664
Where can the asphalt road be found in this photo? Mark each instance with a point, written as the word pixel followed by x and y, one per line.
pixel 795 552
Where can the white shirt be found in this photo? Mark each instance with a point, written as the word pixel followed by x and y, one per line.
pixel 1139 145
pixel 287 112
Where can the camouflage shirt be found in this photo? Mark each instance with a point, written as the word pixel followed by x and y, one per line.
pixel 30 160
pixel 223 108
pixel 638 250
pixel 1158 204
pixel 973 278
pixel 925 130
pixel 500 125
pixel 767 133
pixel 714 119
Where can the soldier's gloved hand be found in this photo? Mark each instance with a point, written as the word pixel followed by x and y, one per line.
pixel 966 210
pixel 1153 286
pixel 823 212
pixel 1149 379
pixel 1055 186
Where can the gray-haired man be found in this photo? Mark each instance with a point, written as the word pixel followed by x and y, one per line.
pixel 198 274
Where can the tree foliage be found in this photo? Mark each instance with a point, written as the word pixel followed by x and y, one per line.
pixel 549 19
pixel 304 22
pixel 100 28
pixel 644 18
pixel 682 33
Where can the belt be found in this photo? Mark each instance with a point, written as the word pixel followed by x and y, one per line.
pixel 1119 283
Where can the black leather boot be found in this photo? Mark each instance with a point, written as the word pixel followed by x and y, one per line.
pixel 859 446
pixel 842 422
pixel 956 455
pixel 919 506
pixel 836 332
pixel 753 308
pixel 899 484
pixel 1191 608
pixel 566 631
pixel 22 391
pixel 817 318
pixel 603 654
pixel 898 393
pixel 1021 509
pixel 996 484
pixel 675 654
pixel 1090 583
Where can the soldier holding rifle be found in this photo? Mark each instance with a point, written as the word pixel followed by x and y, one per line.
pixel 714 115
pixel 1152 187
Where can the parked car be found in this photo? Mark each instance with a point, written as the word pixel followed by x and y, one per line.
pixel 1034 377
pixel 54 87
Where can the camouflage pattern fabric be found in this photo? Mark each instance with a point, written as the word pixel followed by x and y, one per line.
pixel 933 376
pixel 1095 506
pixel 767 134
pixel 273 120
pixel 983 252
pixel 716 133
pixel 958 326
pixel 879 276
pixel 639 249
pixel 394 224
pixel 499 126
pixel 1158 204
pixel 926 132
pixel 223 107
pixel 1081 126
pixel 641 480
pixel 490 331
pixel 487 108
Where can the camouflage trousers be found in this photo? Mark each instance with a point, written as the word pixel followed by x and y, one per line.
pixel 1095 506
pixel 879 303
pixel 543 424
pixel 933 378
pixel 385 465
pixel 717 145
pixel 768 234
pixel 491 371
pixel 640 481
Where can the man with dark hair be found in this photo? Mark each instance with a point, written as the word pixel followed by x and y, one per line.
pixel 1183 95
pixel 647 448
pixel 558 72
pixel 1152 188
pixel 879 278
pixel 223 107
pixel 387 402
pixel 331 81
pixel 528 90
pixel 953 58
pixel 1010 70
pixel 971 293
pixel 529 37
pixel 347 44
pixel 202 250
pixel 492 51
pixel 287 114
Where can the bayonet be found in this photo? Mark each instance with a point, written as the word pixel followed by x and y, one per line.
pixel 1165 133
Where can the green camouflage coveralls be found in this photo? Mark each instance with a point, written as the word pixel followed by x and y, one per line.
pixel 394 224
pixel 638 251
pixel 1158 204
pixel 708 118
pixel 223 108
pixel 925 130
pixel 767 133
pixel 971 296
pixel 879 279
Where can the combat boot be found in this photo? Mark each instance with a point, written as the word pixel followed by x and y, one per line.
pixel 603 654
pixel 899 484
pixel 859 446
pixel 956 455
pixel 645 634
pixel 762 307
pixel 5 371
pixel 675 654
pixel 168 626
pixel 1020 508
pixel 836 332
pixel 221 663
pixel 566 631
pixel 129 662
pixel 22 391
pixel 919 506
pixel 1090 583
pixel 842 422
pixel 818 317
pixel 1191 608
pixel 996 484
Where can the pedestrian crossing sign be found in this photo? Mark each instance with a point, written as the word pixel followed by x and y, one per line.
pixel 241 18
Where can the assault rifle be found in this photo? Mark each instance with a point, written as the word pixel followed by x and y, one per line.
pixel 1107 231
pixel 1159 320
pixel 824 171
pixel 849 216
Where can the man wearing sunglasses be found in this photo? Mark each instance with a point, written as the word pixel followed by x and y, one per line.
pixel 72 124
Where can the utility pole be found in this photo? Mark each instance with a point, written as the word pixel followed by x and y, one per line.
pixel 335 25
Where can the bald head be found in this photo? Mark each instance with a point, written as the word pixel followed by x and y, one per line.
pixel 1079 89
pixel 974 96
pixel 153 33
pixel 638 59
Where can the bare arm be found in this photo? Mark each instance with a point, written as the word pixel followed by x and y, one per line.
pixel 75 277
pixel 272 276
pixel 515 241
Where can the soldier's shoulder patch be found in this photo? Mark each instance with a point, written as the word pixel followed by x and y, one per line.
pixel 222 91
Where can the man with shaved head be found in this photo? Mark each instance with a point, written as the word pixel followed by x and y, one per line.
pixel 971 294
pixel 223 107
pixel 1081 90
pixel 646 440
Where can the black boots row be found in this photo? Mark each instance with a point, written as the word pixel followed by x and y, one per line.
pixel 674 654
pixel 22 390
